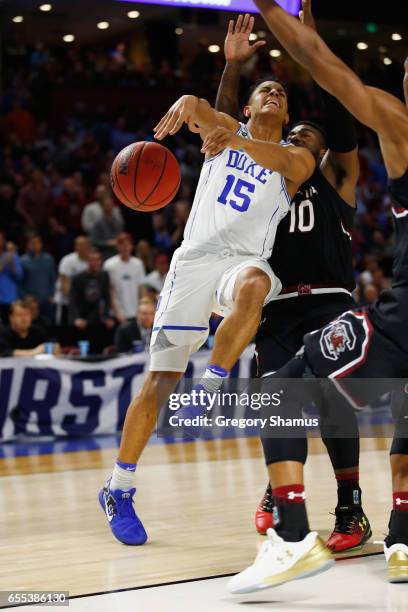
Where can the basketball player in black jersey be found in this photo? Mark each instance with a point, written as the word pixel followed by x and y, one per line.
pixel 359 344
pixel 313 259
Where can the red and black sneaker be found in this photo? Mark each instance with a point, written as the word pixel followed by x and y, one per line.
pixel 352 530
pixel 264 512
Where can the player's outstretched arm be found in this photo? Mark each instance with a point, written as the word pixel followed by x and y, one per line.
pixel 196 113
pixel 375 108
pixel 340 165
pixel 296 164
pixel 237 51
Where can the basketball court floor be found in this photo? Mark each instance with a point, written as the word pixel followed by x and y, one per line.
pixel 197 500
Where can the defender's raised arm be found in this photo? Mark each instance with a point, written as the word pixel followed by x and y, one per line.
pixel 376 108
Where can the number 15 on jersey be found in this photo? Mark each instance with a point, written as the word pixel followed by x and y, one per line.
pixel 241 191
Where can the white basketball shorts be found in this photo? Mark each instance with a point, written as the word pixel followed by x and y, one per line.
pixel 198 283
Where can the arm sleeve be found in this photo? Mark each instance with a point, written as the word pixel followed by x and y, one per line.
pixel 340 126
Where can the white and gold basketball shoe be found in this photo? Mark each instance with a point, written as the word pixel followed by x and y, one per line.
pixel 397 562
pixel 279 561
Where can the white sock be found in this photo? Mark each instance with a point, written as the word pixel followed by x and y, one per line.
pixel 213 378
pixel 122 476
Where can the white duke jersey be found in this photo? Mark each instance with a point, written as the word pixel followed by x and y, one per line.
pixel 238 204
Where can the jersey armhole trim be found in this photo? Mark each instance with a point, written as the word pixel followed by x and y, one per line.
pixel 210 159
pixel 283 183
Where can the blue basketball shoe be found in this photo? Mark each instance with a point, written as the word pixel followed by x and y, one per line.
pixel 123 520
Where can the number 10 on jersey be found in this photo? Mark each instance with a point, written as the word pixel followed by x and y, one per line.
pixel 302 218
pixel 241 191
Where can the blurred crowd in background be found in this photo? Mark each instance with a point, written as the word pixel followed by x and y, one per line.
pixel 76 263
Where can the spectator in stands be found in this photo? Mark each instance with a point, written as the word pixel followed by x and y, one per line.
pixel 126 275
pixel 156 279
pixel 66 218
pixel 34 202
pixel 21 338
pixel 69 266
pixel 10 220
pixel 38 319
pixel 20 123
pixel 11 273
pixel 162 238
pixel 105 231
pixel 380 281
pixel 93 211
pixel 369 294
pixel 121 136
pixel 89 305
pixel 39 275
pixel 370 265
pixel 136 333
pixel 145 254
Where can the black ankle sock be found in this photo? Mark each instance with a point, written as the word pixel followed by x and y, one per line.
pixel 398 528
pixel 290 520
pixel 348 495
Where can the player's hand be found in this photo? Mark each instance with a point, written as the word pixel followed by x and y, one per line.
pixel 236 46
pixel 306 15
pixel 181 112
pixel 218 139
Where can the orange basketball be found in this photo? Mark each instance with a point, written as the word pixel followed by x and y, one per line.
pixel 145 176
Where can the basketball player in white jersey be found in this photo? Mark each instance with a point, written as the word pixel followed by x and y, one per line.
pixel 246 185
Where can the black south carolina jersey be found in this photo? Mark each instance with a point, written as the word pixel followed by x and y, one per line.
pixel 390 312
pixel 312 253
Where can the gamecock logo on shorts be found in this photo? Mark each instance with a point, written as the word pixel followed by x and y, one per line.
pixel 337 338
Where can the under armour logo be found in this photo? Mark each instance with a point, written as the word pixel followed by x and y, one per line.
pixel 362 523
pixel 400 501
pixel 292 495
pixel 288 553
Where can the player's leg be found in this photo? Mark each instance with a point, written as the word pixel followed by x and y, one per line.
pixel 352 528
pixel 116 497
pixel 376 357
pixel 278 339
pixel 142 413
pixel 240 294
pixel 292 550
pixel 251 288
pixel 396 542
pixel 180 326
